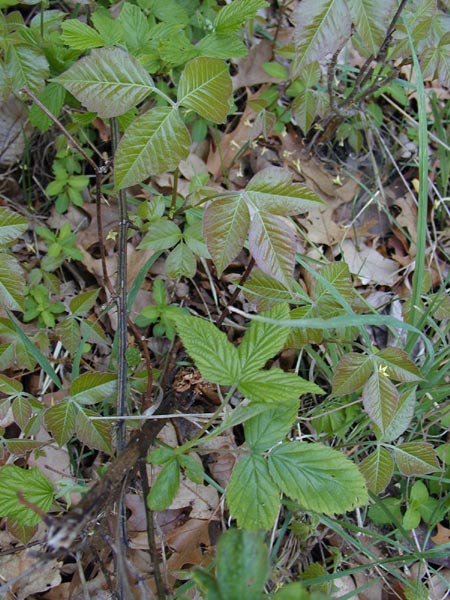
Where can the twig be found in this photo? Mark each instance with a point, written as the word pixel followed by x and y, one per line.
pixel 236 292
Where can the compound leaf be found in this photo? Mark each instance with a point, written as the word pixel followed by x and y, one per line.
pixel 377 468
pixel 233 15
pixel 95 434
pixel 275 387
pixel 11 288
pixel 380 399
pixel 416 458
pixel 60 421
pixel 12 226
pixel 91 388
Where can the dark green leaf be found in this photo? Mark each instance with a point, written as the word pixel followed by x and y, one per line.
pixel 165 487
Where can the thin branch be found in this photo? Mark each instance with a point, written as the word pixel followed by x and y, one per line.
pixel 236 292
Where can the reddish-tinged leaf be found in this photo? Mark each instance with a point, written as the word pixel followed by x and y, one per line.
pixel 22 411
pixel 352 372
pixel 398 365
pixel 272 243
pixel 273 190
pixel 225 226
pixel 416 458
pixel 380 400
pixel 95 434
pixel 60 421
pixel 377 468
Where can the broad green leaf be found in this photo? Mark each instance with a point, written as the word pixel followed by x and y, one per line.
pixel 12 225
pixel 52 97
pixel 170 11
pixel 402 418
pixel 165 487
pixel 252 496
pixel 380 399
pixel 224 46
pixel 263 340
pixel 80 36
pixel 60 421
pixel 242 564
pixel 322 27
pixel 11 288
pixel 306 105
pixel 225 226
pixel 416 458
pixel 336 274
pixel 233 15
pixel 109 28
pixel 267 429
pixel 193 237
pixel 82 303
pixel 205 87
pixel 295 591
pixel 181 262
pixel 319 478
pixel 435 62
pixel 161 235
pixel 275 387
pixel 26 67
pixel 91 388
pixel 10 387
pixel 35 487
pixel 272 243
pixel 273 190
pixel 378 469
pixel 352 372
pixel 159 456
pixel 23 446
pixel 22 411
pixel 109 81
pixel 370 20
pixel 136 31
pixel 192 467
pixel 299 337
pixel 94 433
pixel 152 144
pixel 215 357
pixel 68 332
pixel 397 365
pixel 264 290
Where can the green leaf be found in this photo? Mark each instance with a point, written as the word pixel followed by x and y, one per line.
pixel 295 591
pixel 225 226
pixel 152 144
pixel 351 374
pixel 181 262
pixel 267 429
pixel 402 418
pixel 22 411
pixel 252 496
pixel 95 434
pixel 231 17
pixel 380 399
pixel 91 388
pixel 109 81
pixel 69 333
pixel 272 243
pixel 336 274
pixel 193 468
pixel 60 421
pixel 377 469
pixel 205 87
pixel 80 36
pixel 416 458
pixel 397 365
pixel 273 190
pixel 370 20
pixel 35 487
pixel 10 387
pixel 307 104
pixel 224 46
pixel 26 67
pixel 11 288
pixel 52 97
pixel 109 29
pixel 82 303
pixel 165 487
pixel 319 478
pixel 161 235
pixel 215 357
pixel 242 565
pixel 322 27
pixel 263 340
pixel 12 225
pixel 275 387
pixel 136 30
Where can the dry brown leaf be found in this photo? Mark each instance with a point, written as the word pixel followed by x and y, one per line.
pixel 191 545
pixel 222 458
pixel 442 535
pixel 44 578
pixel 14 130
pixel 369 265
